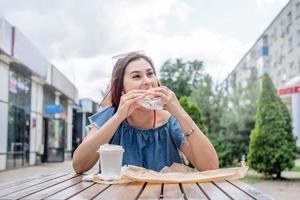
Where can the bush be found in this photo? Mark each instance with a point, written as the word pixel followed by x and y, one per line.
pixel 230 148
pixel 194 111
pixel 272 144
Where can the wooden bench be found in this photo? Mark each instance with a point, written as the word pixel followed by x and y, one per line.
pixel 71 186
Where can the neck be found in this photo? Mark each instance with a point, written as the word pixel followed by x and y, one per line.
pixel 141 119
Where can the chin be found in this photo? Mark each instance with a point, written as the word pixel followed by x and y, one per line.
pixel 144 109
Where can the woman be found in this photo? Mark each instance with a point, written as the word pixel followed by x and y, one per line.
pixel 151 138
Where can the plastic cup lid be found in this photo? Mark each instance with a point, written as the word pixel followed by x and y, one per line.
pixel 110 147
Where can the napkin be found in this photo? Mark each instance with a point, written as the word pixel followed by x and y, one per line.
pixel 176 173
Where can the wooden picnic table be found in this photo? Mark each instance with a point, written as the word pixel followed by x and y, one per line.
pixel 71 186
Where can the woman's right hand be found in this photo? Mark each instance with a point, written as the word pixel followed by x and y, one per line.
pixel 128 103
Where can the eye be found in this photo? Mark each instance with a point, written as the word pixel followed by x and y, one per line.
pixel 136 76
pixel 150 73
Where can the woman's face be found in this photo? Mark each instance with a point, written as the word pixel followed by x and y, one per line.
pixel 139 75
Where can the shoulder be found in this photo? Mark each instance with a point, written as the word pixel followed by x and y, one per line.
pixel 99 118
pixel 163 117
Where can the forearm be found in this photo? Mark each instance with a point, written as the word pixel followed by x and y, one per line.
pixel 86 154
pixel 203 154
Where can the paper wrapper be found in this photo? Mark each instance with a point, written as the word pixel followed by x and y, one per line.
pixel 176 173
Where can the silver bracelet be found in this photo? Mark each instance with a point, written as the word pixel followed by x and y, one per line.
pixel 190 132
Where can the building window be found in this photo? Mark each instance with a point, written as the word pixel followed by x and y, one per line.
pixel 281 59
pixel 289 18
pixel 281 29
pixel 290 43
pixel 298 9
pixel 265 40
pixel 284 77
pixel 291 65
pixel 275 34
pixel 298 37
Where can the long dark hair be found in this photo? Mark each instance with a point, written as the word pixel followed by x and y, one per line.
pixel 114 91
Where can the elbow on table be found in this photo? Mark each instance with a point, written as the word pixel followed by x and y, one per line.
pixel 215 165
pixel 212 165
pixel 77 167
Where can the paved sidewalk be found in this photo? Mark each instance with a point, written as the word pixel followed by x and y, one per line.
pixel 44 168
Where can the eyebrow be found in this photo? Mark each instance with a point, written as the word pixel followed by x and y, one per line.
pixel 150 69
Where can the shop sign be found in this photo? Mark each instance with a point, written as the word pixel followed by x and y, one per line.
pixel 33 122
pixel 53 109
pixel 289 90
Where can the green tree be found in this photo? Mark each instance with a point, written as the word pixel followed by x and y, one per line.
pixel 231 117
pixel 238 117
pixel 272 144
pixel 194 111
pixel 181 77
pixel 207 96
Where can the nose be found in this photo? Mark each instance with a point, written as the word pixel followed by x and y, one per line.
pixel 146 81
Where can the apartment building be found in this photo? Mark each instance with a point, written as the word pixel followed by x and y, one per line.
pixel 276 52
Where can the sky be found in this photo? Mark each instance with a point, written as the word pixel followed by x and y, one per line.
pixel 80 37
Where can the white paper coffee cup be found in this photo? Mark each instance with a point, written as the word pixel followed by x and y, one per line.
pixel 111 161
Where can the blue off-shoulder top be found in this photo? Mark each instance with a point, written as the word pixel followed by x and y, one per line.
pixel 151 148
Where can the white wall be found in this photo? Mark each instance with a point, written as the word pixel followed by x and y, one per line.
pixel 36 117
pixel 69 130
pixel 296 116
pixel 4 72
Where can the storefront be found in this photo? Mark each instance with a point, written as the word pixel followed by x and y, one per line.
pixel 81 113
pixel 36 103
pixel 291 96
pixel 18 120
pixel 54 122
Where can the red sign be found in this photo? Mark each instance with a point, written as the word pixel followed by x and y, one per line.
pixel 289 90
pixel 33 122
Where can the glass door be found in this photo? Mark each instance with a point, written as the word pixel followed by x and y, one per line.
pixel 55 140
pixel 18 138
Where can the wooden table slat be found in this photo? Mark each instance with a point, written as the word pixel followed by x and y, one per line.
pixel 71 186
pixel 123 191
pixel 36 188
pixel 250 190
pixel 172 191
pixel 30 184
pixel 151 191
pixel 55 189
pixel 232 191
pixel 90 192
pixel 132 190
pixel 212 191
pixel 192 191
pixel 71 191
pixel 21 181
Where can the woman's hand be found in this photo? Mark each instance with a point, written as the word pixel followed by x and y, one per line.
pixel 128 103
pixel 171 102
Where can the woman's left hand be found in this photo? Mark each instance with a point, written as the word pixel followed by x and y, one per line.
pixel 171 102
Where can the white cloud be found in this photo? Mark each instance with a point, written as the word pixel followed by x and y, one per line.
pixel 80 37
pixel 261 4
